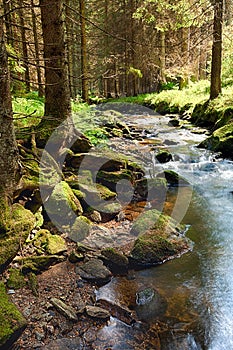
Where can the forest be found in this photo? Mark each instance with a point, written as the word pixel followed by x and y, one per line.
pixel 116 160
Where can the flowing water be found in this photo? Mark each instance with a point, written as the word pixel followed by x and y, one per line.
pixel 197 288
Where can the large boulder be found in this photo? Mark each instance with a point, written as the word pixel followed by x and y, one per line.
pixel 220 141
pixel 15 228
pixel 12 323
pixel 159 239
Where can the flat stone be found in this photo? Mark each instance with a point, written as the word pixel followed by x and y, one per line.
pixel 95 271
pixel 97 312
pixel 65 310
pixel 65 344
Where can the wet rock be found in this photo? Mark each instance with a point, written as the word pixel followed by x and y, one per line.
pixel 15 229
pixel 65 344
pixel 145 296
pixel 160 238
pixel 122 313
pixel 173 178
pixel 12 323
pixel 149 304
pixel 163 156
pixel 80 229
pixel 174 122
pixel 151 189
pixel 220 141
pixel 172 340
pixel 115 259
pixel 97 312
pixel 64 309
pixel 94 271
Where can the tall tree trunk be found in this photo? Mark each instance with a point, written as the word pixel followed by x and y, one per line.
pixel 24 45
pixel 37 51
pixel 9 165
pixel 84 63
pixel 8 21
pixel 216 65
pixel 57 93
pixel 162 56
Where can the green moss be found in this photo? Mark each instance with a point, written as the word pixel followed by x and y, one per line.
pixel 20 222
pixel 36 264
pixel 115 257
pixel 33 284
pixel 12 323
pixel 51 244
pixel 62 200
pixel 16 279
pixel 80 229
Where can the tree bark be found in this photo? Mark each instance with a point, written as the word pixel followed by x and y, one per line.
pixel 216 65
pixel 84 64
pixel 57 93
pixel 9 164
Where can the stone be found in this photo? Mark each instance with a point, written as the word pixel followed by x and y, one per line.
pixel 150 304
pixel 44 241
pixel 97 312
pixel 115 258
pixel 96 193
pixel 81 144
pixel 108 211
pixel 174 122
pixel 63 202
pixel 94 215
pixel 163 156
pixel 111 178
pixel 75 257
pixel 37 264
pixel 145 296
pixel 65 310
pixel 16 279
pixel 16 226
pixel 122 313
pixel 80 229
pixel 94 271
pixel 220 141
pixel 151 189
pixel 12 323
pixel 173 179
pixel 65 344
pixel 159 238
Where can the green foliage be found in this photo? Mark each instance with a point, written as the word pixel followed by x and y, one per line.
pixel 97 136
pixel 136 72
pixel 28 111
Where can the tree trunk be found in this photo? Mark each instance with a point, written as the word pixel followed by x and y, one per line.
pixel 57 93
pixel 84 64
pixel 9 165
pixel 21 15
pixel 37 51
pixel 216 65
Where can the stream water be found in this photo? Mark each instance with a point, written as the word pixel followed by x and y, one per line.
pixel 197 288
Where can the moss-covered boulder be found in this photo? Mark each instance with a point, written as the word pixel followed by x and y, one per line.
pixel 80 229
pixel 173 179
pixel 16 279
pixel 221 141
pixel 115 259
pixel 108 211
pixel 96 193
pixel 12 323
pixel 46 242
pixel 36 264
pixel 111 178
pixel 16 224
pixel 163 156
pixel 63 203
pixel 159 239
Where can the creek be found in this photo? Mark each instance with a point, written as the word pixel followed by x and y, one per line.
pixel 197 287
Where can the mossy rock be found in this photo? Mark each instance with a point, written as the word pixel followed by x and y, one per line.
pixel 108 211
pixel 63 202
pixel 36 264
pixel 115 258
pixel 163 156
pixel 16 279
pixel 96 193
pixel 12 323
pixel 151 189
pixel 160 238
pixel 173 179
pixel 80 229
pixel 18 223
pixel 49 243
pixel 110 179
pixel 221 141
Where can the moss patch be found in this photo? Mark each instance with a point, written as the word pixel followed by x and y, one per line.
pixel 12 323
pixel 45 242
pixel 80 229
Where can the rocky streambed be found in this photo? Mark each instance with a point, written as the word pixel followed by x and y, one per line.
pixel 105 214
